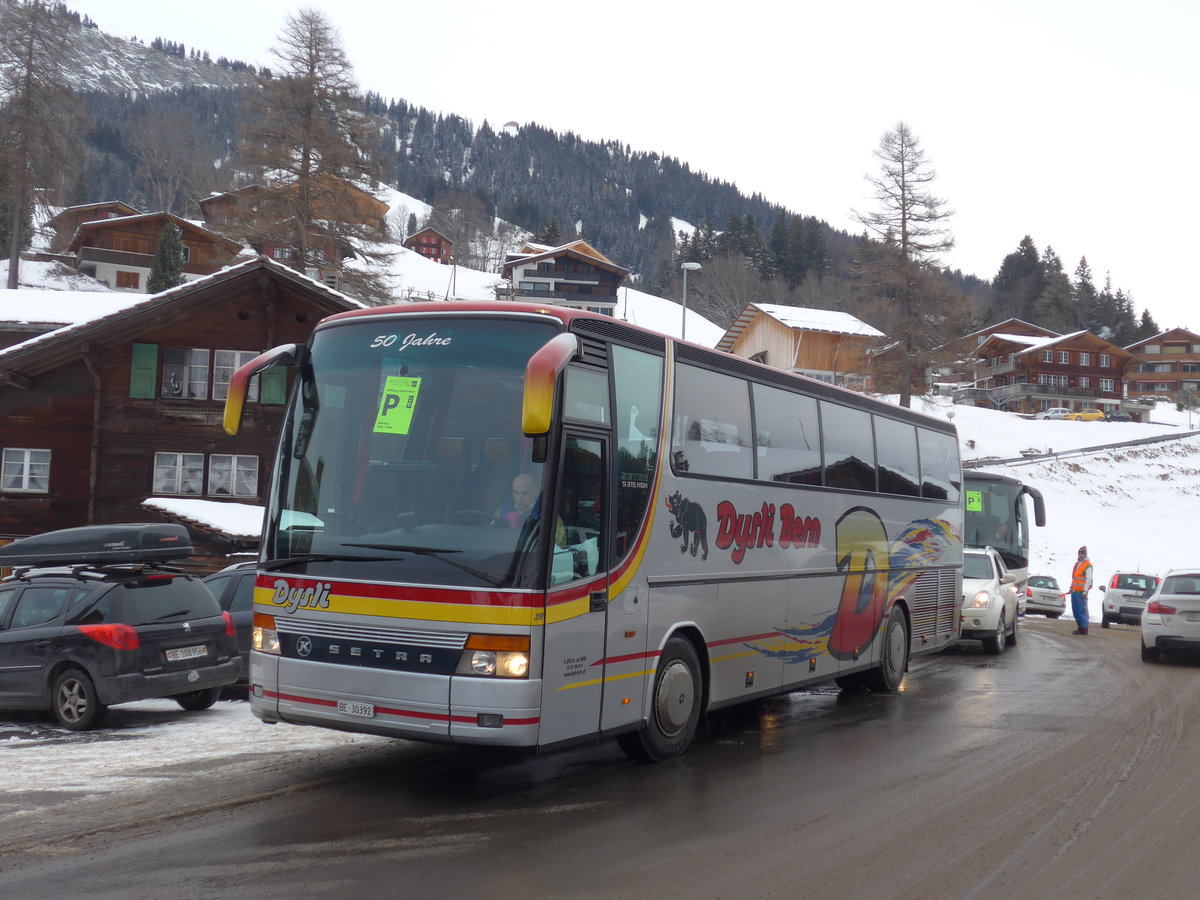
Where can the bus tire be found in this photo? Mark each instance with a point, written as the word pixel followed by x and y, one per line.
pixel 893 660
pixel 674 706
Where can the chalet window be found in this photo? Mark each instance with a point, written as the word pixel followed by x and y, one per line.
pixel 1108 384
pixel 225 362
pixel 185 374
pixel 1083 381
pixel 232 476
pixel 25 470
pixel 1047 356
pixel 128 243
pixel 1152 348
pixel 179 473
pixel 759 357
pixel 1085 359
pixel 281 253
pixel 185 253
pixel 1105 361
pixel 128 279
pixel 1064 356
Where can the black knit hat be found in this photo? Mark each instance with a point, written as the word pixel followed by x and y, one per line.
pixel 1083 550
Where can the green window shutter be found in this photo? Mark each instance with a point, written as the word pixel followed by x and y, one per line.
pixel 273 387
pixel 144 371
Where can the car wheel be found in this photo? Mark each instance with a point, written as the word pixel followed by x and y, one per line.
pixel 1057 615
pixel 1149 654
pixel 1104 621
pixel 194 701
pixel 75 703
pixel 674 706
pixel 1012 638
pixel 995 643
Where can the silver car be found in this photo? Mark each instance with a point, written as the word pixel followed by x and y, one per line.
pixel 1125 597
pixel 1171 620
pixel 989 607
pixel 1043 595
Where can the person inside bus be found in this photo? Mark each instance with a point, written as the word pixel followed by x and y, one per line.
pixel 514 511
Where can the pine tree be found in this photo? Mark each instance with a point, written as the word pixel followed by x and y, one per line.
pixel 1087 301
pixel 900 277
pixel 166 271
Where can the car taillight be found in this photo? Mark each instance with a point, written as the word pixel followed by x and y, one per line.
pixel 230 631
pixel 119 637
pixel 1028 592
pixel 1161 608
pixel 1113 583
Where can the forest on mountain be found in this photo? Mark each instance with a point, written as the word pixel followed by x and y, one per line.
pixel 181 137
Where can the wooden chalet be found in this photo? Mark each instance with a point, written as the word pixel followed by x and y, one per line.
pixel 824 344
pixel 1166 364
pixel 67 222
pixel 120 251
pixel 431 244
pixel 104 414
pixel 256 207
pixel 1031 373
pixel 575 275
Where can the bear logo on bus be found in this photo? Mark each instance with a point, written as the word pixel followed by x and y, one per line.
pixel 690 523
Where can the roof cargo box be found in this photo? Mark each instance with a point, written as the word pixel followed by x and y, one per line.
pixel 98 545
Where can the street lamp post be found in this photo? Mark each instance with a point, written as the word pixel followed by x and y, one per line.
pixel 686 267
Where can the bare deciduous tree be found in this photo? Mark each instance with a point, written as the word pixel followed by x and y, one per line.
pixel 36 110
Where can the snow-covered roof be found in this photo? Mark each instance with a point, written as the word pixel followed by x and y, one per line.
pixel 226 517
pixel 809 319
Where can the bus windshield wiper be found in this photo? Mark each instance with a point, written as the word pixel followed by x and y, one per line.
pixel 439 554
pixel 271 565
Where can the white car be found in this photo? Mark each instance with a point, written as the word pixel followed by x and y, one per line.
pixel 1125 598
pixel 1042 594
pixel 989 606
pixel 1055 412
pixel 1171 619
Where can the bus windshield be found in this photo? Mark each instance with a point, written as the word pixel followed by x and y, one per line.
pixel 403 453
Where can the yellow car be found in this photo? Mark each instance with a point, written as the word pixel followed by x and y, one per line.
pixel 1086 415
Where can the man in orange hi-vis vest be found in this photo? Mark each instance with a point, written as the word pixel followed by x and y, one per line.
pixel 1081 583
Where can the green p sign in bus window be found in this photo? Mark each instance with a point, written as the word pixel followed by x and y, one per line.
pixel 397 404
pixel 974 499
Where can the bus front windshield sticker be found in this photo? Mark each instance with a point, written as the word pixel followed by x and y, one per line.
pixel 974 501
pixel 396 405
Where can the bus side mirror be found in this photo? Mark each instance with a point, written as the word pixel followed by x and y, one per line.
pixel 541 376
pixel 239 382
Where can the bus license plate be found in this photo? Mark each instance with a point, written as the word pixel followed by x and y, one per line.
pixel 176 654
pixel 350 708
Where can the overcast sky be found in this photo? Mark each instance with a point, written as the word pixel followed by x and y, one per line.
pixel 1072 122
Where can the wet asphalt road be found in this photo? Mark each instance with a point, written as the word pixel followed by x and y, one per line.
pixel 1065 767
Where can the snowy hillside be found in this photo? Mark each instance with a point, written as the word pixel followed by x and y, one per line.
pixel 1134 508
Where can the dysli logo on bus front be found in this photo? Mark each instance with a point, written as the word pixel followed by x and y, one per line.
pixel 294 598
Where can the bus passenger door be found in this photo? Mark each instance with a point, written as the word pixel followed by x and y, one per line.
pixel 577 602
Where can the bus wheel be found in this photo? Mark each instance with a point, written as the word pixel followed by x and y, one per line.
pixel 675 706
pixel 893 661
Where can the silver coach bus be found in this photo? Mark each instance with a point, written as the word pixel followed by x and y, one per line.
pixel 525 526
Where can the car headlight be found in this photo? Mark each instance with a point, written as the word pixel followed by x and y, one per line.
pixel 981 600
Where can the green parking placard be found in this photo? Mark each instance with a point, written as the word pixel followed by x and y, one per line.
pixel 974 501
pixel 396 405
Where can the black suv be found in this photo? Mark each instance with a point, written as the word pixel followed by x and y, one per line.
pixel 91 617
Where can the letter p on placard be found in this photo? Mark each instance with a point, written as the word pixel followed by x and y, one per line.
pixel 396 404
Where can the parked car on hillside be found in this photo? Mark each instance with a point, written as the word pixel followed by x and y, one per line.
pixel 233 587
pixel 1117 415
pixel 989 606
pixel 91 617
pixel 1171 620
pixel 1043 595
pixel 1055 412
pixel 1125 598
pixel 1086 415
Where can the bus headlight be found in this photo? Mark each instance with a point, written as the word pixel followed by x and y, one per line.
pixel 263 636
pixel 495 656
